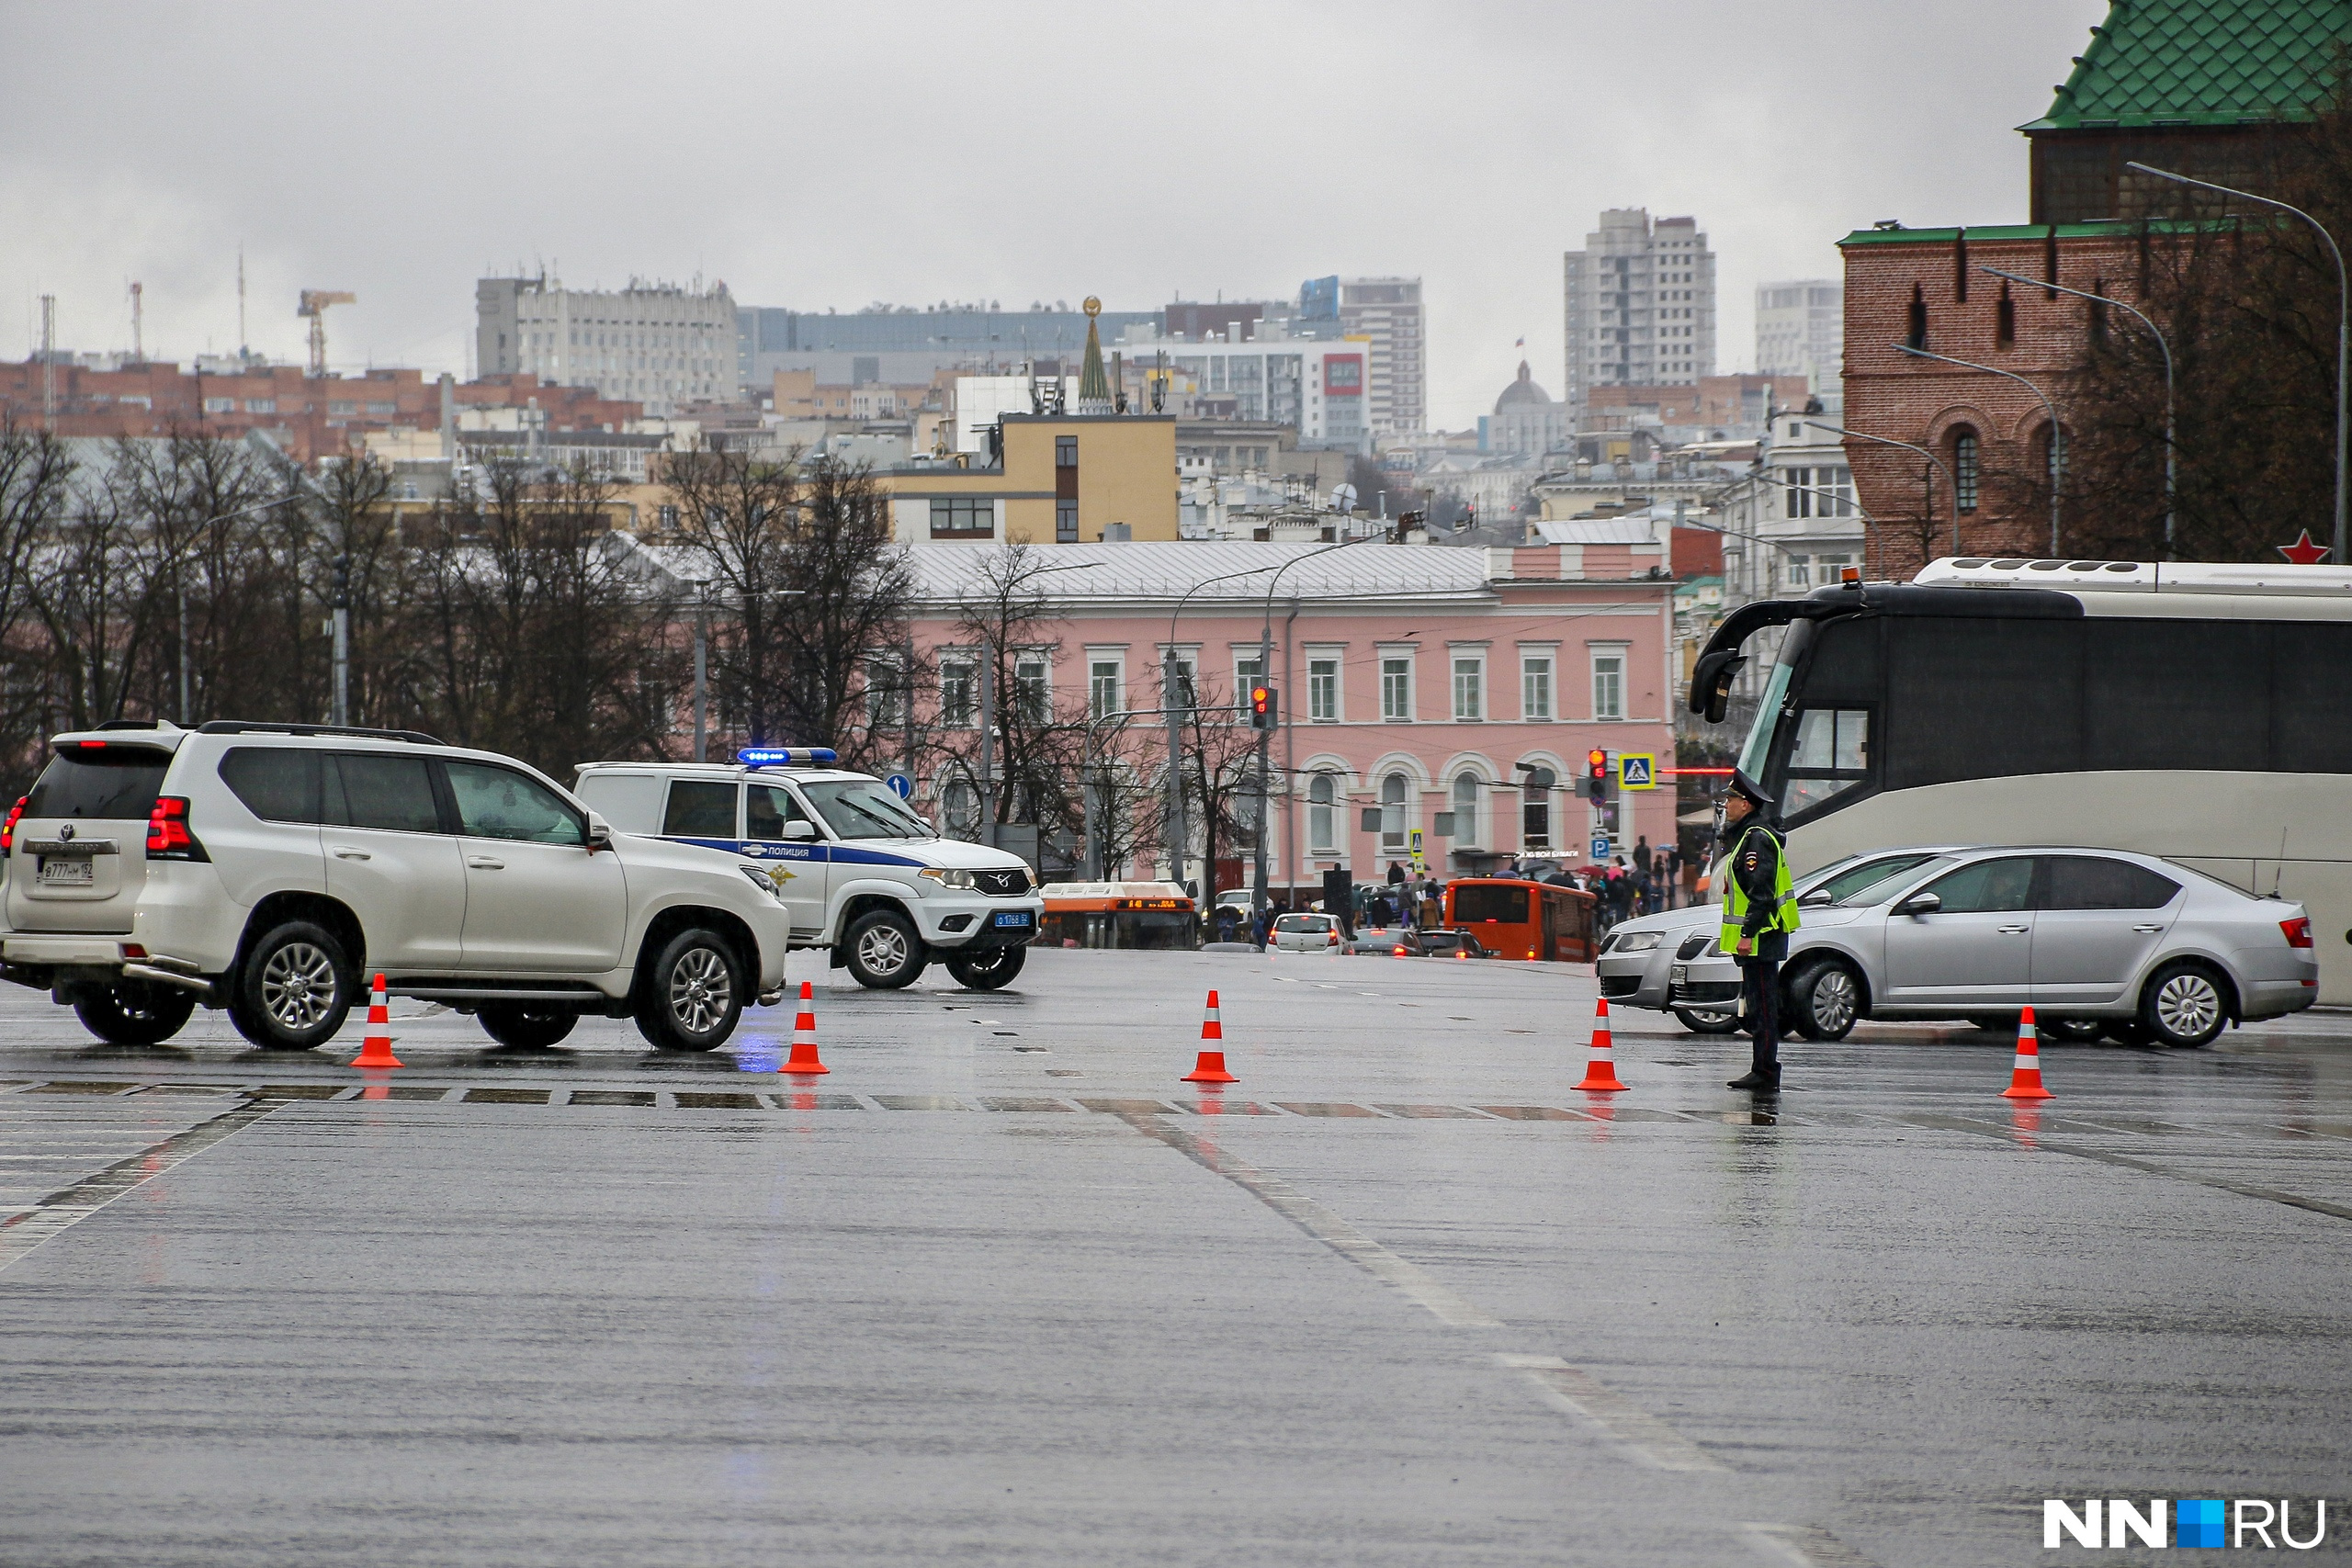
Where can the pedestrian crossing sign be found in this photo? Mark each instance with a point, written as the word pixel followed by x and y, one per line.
pixel 1636 770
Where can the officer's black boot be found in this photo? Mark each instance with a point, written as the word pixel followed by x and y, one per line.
pixel 1763 1075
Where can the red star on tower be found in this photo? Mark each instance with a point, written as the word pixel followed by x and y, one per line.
pixel 2303 552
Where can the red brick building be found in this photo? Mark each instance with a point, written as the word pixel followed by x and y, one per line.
pixel 2199 86
pixel 310 417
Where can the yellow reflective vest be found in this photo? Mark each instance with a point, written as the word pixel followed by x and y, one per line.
pixel 1785 898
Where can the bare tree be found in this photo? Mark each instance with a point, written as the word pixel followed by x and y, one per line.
pixel 735 514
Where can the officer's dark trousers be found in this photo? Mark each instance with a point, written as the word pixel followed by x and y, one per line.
pixel 1759 989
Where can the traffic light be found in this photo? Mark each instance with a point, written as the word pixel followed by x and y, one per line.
pixel 1596 774
pixel 1264 704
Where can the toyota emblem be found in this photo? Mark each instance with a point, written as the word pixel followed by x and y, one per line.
pixel 66 831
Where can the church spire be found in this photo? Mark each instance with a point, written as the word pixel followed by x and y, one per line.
pixel 1093 386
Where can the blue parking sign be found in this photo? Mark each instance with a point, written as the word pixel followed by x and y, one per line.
pixel 1600 848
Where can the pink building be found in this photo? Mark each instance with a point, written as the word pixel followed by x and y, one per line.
pixel 1426 681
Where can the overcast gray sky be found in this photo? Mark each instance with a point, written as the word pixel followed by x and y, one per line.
pixel 837 154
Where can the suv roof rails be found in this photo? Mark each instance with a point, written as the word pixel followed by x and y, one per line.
pixel 246 726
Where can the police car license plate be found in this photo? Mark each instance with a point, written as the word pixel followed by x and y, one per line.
pixel 1681 972
pixel 1014 918
pixel 77 873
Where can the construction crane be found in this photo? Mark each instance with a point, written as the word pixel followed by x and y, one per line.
pixel 315 305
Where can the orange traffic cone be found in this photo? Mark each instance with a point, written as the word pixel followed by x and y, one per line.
pixel 1209 1067
pixel 804 1036
pixel 375 1045
pixel 2024 1078
pixel 1600 1075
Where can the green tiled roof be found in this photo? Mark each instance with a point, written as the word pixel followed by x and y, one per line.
pixel 2202 62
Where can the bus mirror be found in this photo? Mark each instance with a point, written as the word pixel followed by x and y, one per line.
pixel 1711 681
pixel 1919 903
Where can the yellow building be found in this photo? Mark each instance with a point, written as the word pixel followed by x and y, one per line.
pixel 1064 478
pixel 1061 478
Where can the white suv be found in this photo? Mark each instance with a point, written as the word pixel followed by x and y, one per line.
pixel 270 868
pixel 861 873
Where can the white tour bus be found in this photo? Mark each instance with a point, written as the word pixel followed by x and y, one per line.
pixel 2202 713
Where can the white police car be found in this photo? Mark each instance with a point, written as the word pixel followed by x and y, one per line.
pixel 859 871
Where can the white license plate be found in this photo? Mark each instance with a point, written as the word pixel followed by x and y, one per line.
pixel 68 872
pixel 1681 972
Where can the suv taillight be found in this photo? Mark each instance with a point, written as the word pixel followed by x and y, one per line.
pixel 2298 929
pixel 8 831
pixel 167 834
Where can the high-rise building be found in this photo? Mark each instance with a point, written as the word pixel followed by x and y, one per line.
pixel 652 343
pixel 1386 311
pixel 1800 330
pixel 1640 305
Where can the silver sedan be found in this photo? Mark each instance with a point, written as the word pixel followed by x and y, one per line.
pixel 2094 941
pixel 1635 965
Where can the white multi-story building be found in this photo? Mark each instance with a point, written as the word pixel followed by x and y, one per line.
pixel 1318 386
pixel 1800 330
pixel 1386 313
pixel 1640 305
pixel 656 343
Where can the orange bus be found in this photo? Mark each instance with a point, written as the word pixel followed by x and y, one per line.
pixel 1523 920
pixel 1117 914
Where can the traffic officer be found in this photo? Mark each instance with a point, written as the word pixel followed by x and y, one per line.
pixel 1759 911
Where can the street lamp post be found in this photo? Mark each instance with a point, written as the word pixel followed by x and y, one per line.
pixel 2057 436
pixel 1266 736
pixel 2171 451
pixel 1177 705
pixel 2342 327
pixel 989 696
pixel 1890 441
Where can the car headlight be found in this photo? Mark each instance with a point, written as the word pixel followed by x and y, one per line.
pixel 947 878
pixel 1638 942
pixel 762 880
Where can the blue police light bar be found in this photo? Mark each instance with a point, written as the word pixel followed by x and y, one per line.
pixel 787 756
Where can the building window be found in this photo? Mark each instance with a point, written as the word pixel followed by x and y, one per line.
pixel 1393 824
pixel 962 517
pixel 1396 688
pixel 884 689
pixel 1800 572
pixel 956 694
pixel 1535 810
pixel 1535 687
pixel 669 517
pixel 1103 687
pixel 1467 789
pixel 1187 683
pixel 1065 451
pixel 1469 688
pixel 1322 691
pixel 261 405
pixel 1608 682
pixel 1064 522
pixel 2005 319
pixel 1322 797
pixel 219 405
pixel 1964 470
pixel 1029 687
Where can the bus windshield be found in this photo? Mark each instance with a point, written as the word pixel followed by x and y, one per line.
pixel 1758 750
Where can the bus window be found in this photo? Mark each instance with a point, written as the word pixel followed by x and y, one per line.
pixel 1755 756
pixel 1831 756
pixel 1476 902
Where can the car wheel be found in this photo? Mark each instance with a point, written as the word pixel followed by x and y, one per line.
pixel 885 949
pixel 1709 1020
pixel 2184 1005
pixel 692 996
pixel 523 1027
pixel 989 971
pixel 1825 999
pixel 135 1012
pixel 295 989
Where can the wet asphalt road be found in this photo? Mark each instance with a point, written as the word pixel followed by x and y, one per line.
pixel 1000 1290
